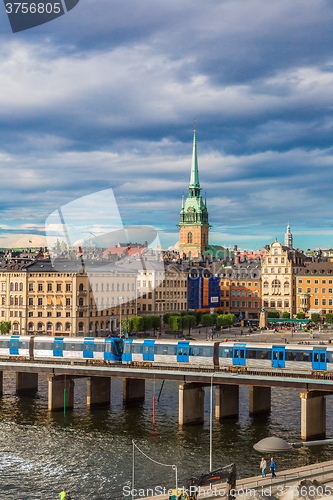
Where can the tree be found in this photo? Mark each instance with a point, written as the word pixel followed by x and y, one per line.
pixel 300 315
pixel 5 327
pixel 273 314
pixel 207 320
pixel 329 318
pixel 231 319
pixel 189 321
pixel 155 322
pixel 286 315
pixel 198 316
pixel 222 320
pixel 126 325
pixel 147 323
pixel 137 323
pixel 315 317
pixel 166 317
pixel 175 322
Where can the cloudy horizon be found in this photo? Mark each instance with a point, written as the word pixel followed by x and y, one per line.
pixel 105 97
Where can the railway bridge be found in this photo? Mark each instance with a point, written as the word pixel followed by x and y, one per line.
pixel 314 387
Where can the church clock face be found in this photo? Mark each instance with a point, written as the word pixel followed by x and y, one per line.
pixel 190 209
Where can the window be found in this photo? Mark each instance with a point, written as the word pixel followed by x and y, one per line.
pixel 286 303
pixel 68 301
pixel 3 287
pixel 282 260
pixel 316 290
pixel 40 301
pixel 58 287
pixel 16 287
pixel 58 327
pixel 189 237
pixel 249 284
pixel 243 284
pixel 243 303
pixel 31 287
pixel 308 282
pixel 300 281
pixel 276 260
pixel 269 260
pixel 316 302
pixel 68 314
pixel 40 314
pixel 49 314
pixel 49 287
pixel 323 302
pixel 299 290
pixel 272 303
pixel 323 282
pixel 249 293
pixel 276 251
pixel 316 282
pixel 323 290
pixel 40 287
pixel 58 314
pixel 21 286
pixel 243 293
pixel 330 290
pixel 330 302
pixel 308 290
pixel 279 303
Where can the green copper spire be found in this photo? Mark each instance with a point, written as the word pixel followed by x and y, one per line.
pixel 194 181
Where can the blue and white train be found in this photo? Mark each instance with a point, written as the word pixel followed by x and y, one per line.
pixel 59 348
pixel 211 355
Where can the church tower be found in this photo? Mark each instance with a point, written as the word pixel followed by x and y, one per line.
pixel 288 238
pixel 193 226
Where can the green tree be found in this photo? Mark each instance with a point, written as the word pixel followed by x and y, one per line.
pixel 63 247
pixel 198 316
pixel 166 317
pixel 189 321
pixel 175 322
pixel 155 322
pixel 5 327
pixel 147 323
pixel 222 320
pixel 286 315
pixel 315 317
pixel 126 325
pixel 300 315
pixel 137 323
pixel 273 314
pixel 207 320
pixel 329 318
pixel 231 319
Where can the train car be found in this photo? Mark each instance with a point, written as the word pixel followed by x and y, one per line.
pixel 56 348
pixel 15 345
pixel 169 352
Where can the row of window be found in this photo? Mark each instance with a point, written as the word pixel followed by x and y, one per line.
pixel 276 283
pixel 275 260
pixel 49 326
pixel 242 293
pixel 316 282
pixel 316 290
pixel 277 303
pixel 49 287
pixel 242 303
pixel 278 270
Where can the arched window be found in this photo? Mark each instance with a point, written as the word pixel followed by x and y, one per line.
pixel 189 237
pixel 256 293
pixel 40 327
pixel 249 293
pixel 12 287
pixel 58 327
pixel 21 301
pixel 49 327
pixel 81 287
pixel 107 325
pixel 81 326
pixel 67 327
pixel 16 300
pixel 16 287
pixel 276 283
pixel 96 326
pixel 243 293
pixel 80 301
pixel 11 301
pixel 266 284
pixel 15 327
pixel 31 327
pixel 286 284
pixel 102 326
pixel 272 303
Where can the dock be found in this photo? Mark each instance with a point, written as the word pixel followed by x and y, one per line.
pixel 266 486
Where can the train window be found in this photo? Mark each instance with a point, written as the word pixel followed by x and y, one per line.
pixel 322 357
pixel 137 348
pixel 265 354
pixel 281 353
pixel 275 355
pixel 91 347
pixel 180 350
pixel 145 349
pixel 315 357
pixel 4 344
pixel 251 354
pixel 185 351
pixel 242 353
pixel 172 350
pixel 304 356
pixel 236 353
pixel 85 348
pixel 329 357
pixel 127 347
pixel 225 352
pixel 161 349
pixel 55 346
pixel 119 346
pixel 151 349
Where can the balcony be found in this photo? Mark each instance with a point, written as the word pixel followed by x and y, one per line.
pixel 82 308
pixel 81 293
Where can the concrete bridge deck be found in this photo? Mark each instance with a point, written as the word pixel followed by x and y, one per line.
pixel 322 472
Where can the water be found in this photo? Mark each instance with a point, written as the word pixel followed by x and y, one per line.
pixel 90 451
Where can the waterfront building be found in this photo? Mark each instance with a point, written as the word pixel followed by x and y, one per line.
pixel 314 293
pixel 193 225
pixel 278 278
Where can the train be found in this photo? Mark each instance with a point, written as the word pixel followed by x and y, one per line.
pixel 212 355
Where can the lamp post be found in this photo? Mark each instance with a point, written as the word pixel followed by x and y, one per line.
pixel 277 445
pixel 120 299
pixel 211 425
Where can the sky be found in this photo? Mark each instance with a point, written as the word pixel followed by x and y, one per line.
pixel 105 97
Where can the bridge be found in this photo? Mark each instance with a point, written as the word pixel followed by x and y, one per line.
pixel 61 376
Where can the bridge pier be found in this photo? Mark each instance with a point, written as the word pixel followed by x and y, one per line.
pixel 259 400
pixel 26 382
pixel 1 383
pixel 313 415
pixel 57 385
pixel 133 390
pixel 191 404
pixel 226 401
pixel 98 391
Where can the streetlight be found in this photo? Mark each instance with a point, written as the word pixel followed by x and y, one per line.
pixel 277 445
pixel 211 425
pixel 120 299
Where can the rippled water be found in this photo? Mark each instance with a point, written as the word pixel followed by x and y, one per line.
pixel 90 451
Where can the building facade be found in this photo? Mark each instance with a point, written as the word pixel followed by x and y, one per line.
pixel 278 278
pixel 314 289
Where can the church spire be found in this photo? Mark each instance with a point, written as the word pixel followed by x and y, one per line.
pixel 194 180
pixel 288 238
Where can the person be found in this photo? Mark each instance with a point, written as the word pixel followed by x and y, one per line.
pixel 273 467
pixel 68 496
pixel 263 466
pixel 62 495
